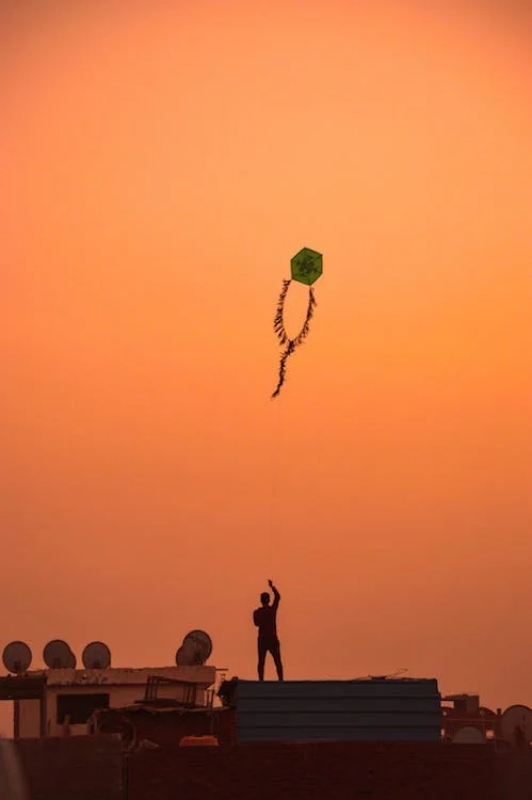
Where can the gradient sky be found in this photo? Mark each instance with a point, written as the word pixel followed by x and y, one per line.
pixel 161 162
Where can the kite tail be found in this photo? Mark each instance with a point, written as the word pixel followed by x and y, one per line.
pixel 278 322
pixel 282 368
pixel 283 336
pixel 300 338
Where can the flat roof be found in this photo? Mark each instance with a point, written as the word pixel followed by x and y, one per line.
pixel 200 676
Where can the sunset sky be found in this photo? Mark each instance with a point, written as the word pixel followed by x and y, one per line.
pixel 161 162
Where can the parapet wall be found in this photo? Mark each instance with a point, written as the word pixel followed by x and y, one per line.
pixel 331 770
pixel 95 768
pixel 73 768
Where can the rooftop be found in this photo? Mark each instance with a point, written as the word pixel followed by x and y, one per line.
pixel 202 676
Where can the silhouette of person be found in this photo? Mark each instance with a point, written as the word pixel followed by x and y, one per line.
pixel 265 619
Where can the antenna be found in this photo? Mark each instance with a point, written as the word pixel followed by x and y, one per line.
pixel 17 657
pixel 202 644
pixel 515 718
pixel 58 655
pixel 185 656
pixel 195 649
pixel 469 734
pixel 96 655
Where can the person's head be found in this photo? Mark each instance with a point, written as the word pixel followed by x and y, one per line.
pixel 265 599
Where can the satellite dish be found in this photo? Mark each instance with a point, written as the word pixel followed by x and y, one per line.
pixel 201 643
pixel 469 735
pixel 96 655
pixel 72 660
pixel 17 657
pixel 519 717
pixel 186 656
pixel 58 655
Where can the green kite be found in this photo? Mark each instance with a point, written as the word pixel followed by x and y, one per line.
pixel 305 267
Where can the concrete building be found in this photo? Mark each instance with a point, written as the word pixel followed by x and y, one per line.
pixel 59 702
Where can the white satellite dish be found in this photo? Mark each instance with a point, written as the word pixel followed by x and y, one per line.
pixel 17 657
pixel 519 717
pixel 202 643
pixel 469 735
pixel 96 655
pixel 58 655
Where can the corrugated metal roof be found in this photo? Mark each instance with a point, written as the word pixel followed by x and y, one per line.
pixel 362 710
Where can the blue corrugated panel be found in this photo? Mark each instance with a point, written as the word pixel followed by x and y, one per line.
pixel 372 710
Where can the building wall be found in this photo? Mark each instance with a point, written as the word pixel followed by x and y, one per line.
pixel 132 688
pixel 95 768
pixel 88 768
pixel 29 709
pixel 331 771
pixel 29 712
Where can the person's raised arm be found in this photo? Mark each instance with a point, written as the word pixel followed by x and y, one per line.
pixel 276 595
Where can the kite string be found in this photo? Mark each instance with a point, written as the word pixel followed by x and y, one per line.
pixel 275 438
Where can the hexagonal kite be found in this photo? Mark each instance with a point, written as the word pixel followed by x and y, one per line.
pixel 305 267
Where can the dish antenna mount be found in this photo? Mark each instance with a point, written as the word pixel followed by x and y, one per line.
pixel 96 655
pixel 17 658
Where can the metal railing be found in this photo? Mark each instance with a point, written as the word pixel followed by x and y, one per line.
pixel 192 696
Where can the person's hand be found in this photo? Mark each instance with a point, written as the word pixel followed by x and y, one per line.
pixel 270 584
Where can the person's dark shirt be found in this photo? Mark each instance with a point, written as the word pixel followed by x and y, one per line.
pixel 265 618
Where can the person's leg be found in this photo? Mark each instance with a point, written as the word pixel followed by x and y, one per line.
pixel 262 650
pixel 275 650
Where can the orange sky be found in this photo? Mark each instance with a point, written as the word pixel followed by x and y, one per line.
pixel 160 165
